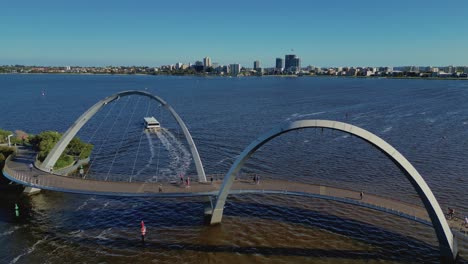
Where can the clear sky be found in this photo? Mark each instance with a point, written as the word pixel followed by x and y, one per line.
pixel 153 33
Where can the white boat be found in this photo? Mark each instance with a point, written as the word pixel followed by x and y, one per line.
pixel 151 122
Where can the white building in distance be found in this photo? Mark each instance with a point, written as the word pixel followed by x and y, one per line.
pixel 207 62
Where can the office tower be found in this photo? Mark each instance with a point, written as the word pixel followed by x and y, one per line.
pixel 207 62
pixel 288 61
pixel 234 69
pixel 297 64
pixel 256 65
pixel 279 64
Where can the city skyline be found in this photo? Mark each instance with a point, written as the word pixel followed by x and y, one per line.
pixel 342 33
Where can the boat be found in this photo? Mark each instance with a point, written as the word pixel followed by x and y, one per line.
pixel 152 123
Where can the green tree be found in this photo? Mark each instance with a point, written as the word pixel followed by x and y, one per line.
pixel 45 141
pixel 3 135
pixel 4 153
pixel 78 148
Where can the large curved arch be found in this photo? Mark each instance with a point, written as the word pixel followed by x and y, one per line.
pixel 58 149
pixel 447 243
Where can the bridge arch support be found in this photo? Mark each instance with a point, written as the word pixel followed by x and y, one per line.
pixel 58 149
pixel 447 242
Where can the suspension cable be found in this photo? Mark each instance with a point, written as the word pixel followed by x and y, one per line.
pixel 106 138
pixel 159 145
pixel 99 127
pixel 122 139
pixel 139 143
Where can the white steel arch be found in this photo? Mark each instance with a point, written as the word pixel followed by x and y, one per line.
pixel 58 149
pixel 447 243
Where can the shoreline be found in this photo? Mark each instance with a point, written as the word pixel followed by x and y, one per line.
pixel 242 76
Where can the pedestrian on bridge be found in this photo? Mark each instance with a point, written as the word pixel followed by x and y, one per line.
pixel 160 187
pixel 188 181
pixel 361 194
pixel 451 213
pixel 30 166
pixel 258 179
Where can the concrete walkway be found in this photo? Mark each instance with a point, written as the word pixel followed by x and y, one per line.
pixel 17 169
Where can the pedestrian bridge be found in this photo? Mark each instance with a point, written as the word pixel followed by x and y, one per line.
pixel 16 169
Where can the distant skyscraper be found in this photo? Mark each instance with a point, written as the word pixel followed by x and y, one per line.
pixel 256 64
pixel 234 69
pixel 292 63
pixel 279 64
pixel 207 62
pixel 289 62
pixel 297 64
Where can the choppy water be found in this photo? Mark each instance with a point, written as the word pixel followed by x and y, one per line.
pixel 425 120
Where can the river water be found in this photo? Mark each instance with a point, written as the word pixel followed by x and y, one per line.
pixel 426 121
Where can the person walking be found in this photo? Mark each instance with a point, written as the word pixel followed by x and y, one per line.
pixel 160 187
pixel 258 179
pixel 361 194
pixel 30 166
pixel 451 213
pixel 143 231
pixel 211 180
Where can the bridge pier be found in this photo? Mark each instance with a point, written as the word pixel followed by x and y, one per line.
pixel 216 216
pixel 31 190
pixel 213 216
pixel 449 255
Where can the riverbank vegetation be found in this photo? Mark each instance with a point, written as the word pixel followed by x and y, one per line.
pixel 43 144
pixel 4 153
pixel 45 141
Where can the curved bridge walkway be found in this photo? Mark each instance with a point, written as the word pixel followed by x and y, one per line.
pixel 17 170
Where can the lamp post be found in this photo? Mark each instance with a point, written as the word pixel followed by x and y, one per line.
pixel 9 142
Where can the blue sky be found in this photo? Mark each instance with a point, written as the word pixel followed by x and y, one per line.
pixel 322 33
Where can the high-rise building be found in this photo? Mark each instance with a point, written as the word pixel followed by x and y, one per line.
pixel 256 65
pixel 207 62
pixel 292 63
pixel 297 64
pixel 234 69
pixel 289 61
pixel 279 64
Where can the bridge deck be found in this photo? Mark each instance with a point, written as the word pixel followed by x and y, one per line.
pixel 17 170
